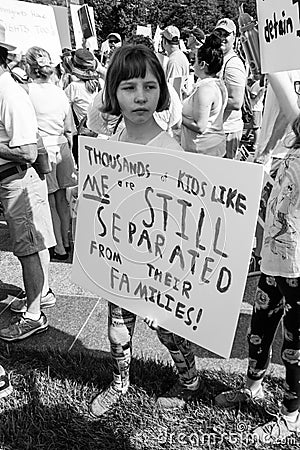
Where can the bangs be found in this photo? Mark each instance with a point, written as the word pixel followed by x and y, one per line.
pixel 134 65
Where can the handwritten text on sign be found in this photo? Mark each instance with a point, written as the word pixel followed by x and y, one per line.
pixel 279 34
pixel 28 24
pixel 168 235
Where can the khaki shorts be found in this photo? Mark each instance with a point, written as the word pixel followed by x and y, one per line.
pixel 25 201
pixel 63 172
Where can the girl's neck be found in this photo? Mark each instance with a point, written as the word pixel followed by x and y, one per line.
pixel 205 75
pixel 140 134
pixel 41 80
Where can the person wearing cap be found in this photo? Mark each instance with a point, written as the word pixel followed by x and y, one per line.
pixel 178 64
pixel 113 41
pixel 234 75
pixel 23 193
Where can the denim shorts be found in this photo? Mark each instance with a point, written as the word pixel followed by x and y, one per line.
pixel 25 201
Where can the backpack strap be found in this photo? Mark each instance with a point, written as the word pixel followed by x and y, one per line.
pixel 225 65
pixel 75 117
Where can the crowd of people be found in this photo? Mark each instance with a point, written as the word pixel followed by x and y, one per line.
pixel 128 96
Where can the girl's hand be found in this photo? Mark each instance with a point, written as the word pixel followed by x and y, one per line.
pixel 152 323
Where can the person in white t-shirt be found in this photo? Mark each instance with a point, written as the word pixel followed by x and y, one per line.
pixel 83 90
pixel 234 75
pixel 54 119
pixel 136 87
pixel 178 66
pixel 23 194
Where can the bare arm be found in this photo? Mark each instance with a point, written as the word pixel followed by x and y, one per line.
pixel 22 154
pixel 201 109
pixel 68 127
pixel 279 129
pixel 235 100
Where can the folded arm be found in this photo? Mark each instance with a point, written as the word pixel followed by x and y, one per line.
pixel 22 154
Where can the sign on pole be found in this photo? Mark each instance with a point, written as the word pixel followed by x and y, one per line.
pixel 279 34
pixel 167 235
pixel 91 42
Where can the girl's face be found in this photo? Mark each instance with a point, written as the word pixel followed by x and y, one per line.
pixel 138 98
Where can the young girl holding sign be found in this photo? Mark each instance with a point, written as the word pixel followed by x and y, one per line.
pixel 136 88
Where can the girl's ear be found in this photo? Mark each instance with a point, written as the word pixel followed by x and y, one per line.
pixel 202 65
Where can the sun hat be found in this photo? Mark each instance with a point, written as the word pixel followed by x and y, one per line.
pixel 227 25
pixel 171 33
pixel 4 44
pixel 84 64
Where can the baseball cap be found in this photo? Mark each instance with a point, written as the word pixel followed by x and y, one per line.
pixel 115 35
pixel 227 25
pixel 171 33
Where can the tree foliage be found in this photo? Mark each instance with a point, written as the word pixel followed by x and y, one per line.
pixel 122 16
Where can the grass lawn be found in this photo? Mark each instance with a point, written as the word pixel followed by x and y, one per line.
pixel 49 407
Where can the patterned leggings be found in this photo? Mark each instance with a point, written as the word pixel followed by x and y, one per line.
pixel 277 298
pixel 121 325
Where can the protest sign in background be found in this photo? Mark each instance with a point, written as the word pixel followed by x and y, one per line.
pixel 28 24
pixel 91 42
pixel 279 34
pixel 144 30
pixel 168 235
pixel 62 22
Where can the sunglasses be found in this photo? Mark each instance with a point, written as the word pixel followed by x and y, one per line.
pixel 113 41
pixel 223 34
pixel 297 87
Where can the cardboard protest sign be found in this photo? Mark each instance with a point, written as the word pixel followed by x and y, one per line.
pixel 85 22
pixel 144 30
pixel 28 24
pixel 91 42
pixel 279 33
pixel 62 23
pixel 167 235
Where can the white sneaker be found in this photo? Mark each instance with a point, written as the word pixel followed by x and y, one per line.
pixel 19 305
pixel 279 431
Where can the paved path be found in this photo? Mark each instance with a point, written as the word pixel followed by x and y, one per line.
pixel 78 322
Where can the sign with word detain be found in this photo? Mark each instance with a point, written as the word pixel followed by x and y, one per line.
pixel 279 34
pixel 167 235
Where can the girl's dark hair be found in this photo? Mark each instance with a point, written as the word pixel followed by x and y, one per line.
pixel 132 61
pixel 296 130
pixel 211 53
pixel 39 63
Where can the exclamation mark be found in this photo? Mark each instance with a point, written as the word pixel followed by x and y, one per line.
pixel 198 319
